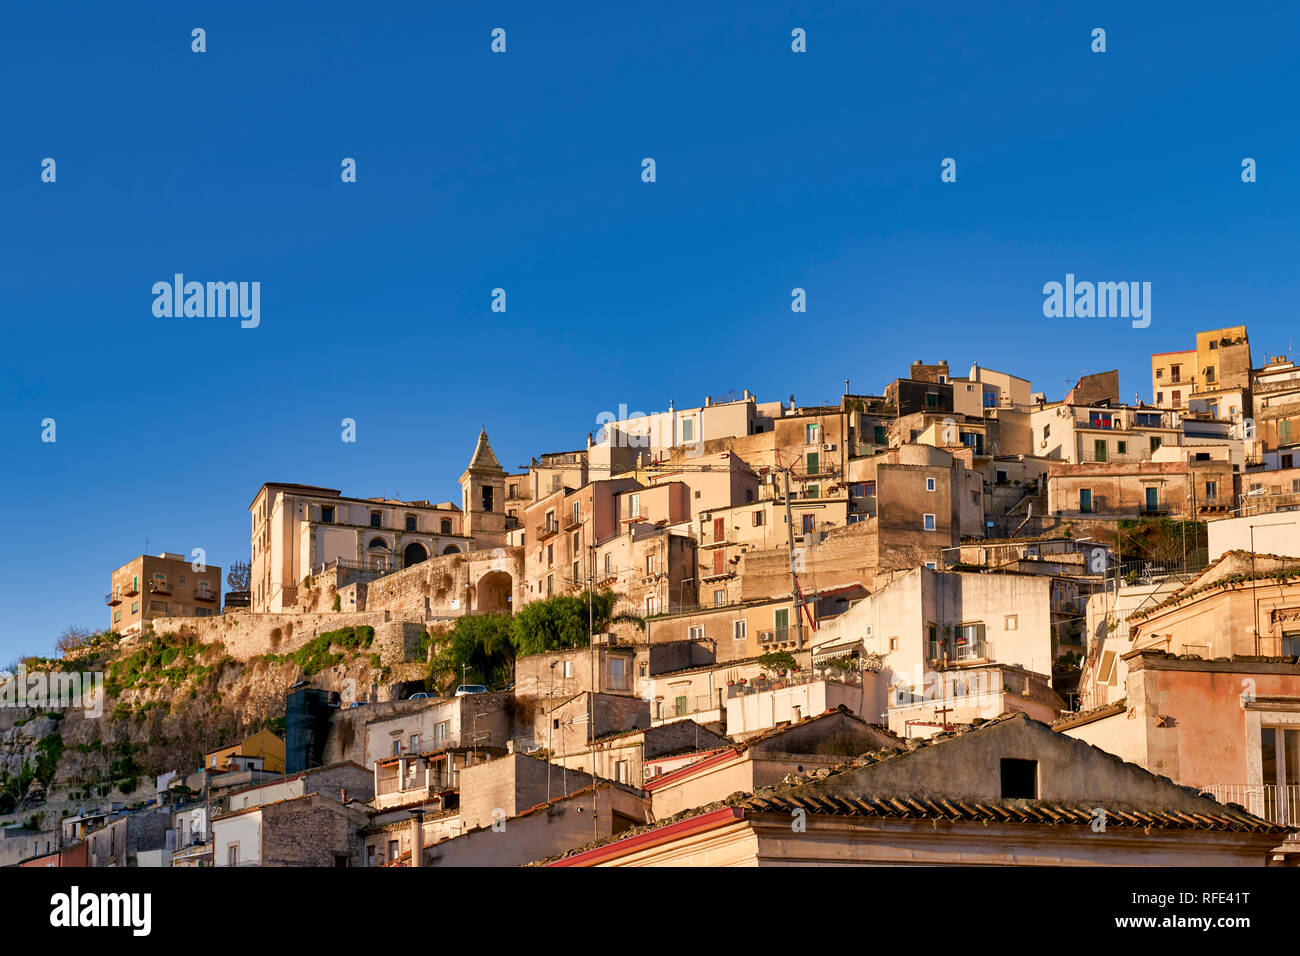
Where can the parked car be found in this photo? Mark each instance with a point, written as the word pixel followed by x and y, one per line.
pixel 420 696
pixel 465 689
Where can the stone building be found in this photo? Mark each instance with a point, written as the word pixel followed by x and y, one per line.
pixel 163 585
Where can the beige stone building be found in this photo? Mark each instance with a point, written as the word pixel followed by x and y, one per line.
pixel 1221 360
pixel 1179 489
pixel 162 585
pixel 1275 392
pixel 1010 792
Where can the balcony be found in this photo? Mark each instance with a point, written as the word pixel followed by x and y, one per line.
pixel 959 652
pixel 205 596
pixel 573 521
pixel 112 598
pixel 548 530
pixel 1276 804
pixel 130 589
pixel 159 587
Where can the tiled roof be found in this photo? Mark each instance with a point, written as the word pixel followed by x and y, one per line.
pixel 788 796
pixel 1021 811
pixel 1067 721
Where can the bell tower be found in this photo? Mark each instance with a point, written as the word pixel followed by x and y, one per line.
pixel 483 491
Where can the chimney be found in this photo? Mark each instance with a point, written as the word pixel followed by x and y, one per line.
pixel 417 837
pixel 343 795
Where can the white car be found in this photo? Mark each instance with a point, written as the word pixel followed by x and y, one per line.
pixel 465 689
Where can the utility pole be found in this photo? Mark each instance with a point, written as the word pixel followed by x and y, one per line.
pixel 794 581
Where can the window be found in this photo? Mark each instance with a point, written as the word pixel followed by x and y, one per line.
pixel 397 747
pixel 927 522
pixel 550 555
pixel 1160 373
pixel 117 615
pixel 650 563
pixel 1213 344
pixel 550 585
pixel 929 484
pixel 620 767
pixel 1155 442
pixel 893 643
pixel 1121 448
pixel 1175 374
pixel 414 746
pixel 327 514
pixel 446 526
pixel 609 563
pixel 1178 397
pixel 812 491
pixel 810 435
pixel 441 731
pixel 1160 398
pixel 1209 373
pixel 634 506
pixel 487 498
pixel 758 519
pixel 931 399
pixel 1011 622
pixel 232 854
pixel 392 850
pixel 1280 758
pixel 1211 490
pixel 412 523
pixel 719 529
pixel 1047 430
pixel 651 602
pixel 577 512
pixel 618 673
pixel 879 435
pixel 719 598
pixel 1085 500
pixel 697 632
pixel 566 669
pixel 739 630
pixel 1100 420
pixel 809 523
pixel 680 706
pixel 1019 779
pixel 1099 450
pixel 814 463
pixel 577 575
pixel 376 519
pixel 182 581
pixel 577 542
pixel 688 429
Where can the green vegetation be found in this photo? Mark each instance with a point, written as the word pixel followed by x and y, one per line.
pixel 777 661
pixel 482 648
pixel 318 653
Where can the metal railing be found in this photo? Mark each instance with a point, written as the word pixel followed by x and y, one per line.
pixel 793 680
pixel 1277 804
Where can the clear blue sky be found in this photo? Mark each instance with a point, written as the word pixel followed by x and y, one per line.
pixel 522 171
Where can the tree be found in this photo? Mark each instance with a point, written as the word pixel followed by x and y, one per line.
pixel 561 622
pixel 72 639
pixel 238 577
pixel 478 650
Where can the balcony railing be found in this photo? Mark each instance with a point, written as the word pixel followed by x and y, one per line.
pixel 964 651
pixel 112 598
pixel 548 530
pixel 1277 804
pixel 160 587
pixel 205 596
pixel 130 589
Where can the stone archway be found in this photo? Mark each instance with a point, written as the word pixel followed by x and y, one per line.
pixel 451 549
pixel 493 592
pixel 413 554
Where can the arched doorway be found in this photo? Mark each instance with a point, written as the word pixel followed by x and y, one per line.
pixel 413 554
pixel 377 555
pixel 493 592
pixel 451 549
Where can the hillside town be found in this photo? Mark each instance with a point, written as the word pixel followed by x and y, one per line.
pixel 956 622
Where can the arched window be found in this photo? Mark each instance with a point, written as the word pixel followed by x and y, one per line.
pixel 379 543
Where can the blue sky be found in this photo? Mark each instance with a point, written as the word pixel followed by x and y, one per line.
pixel 521 170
